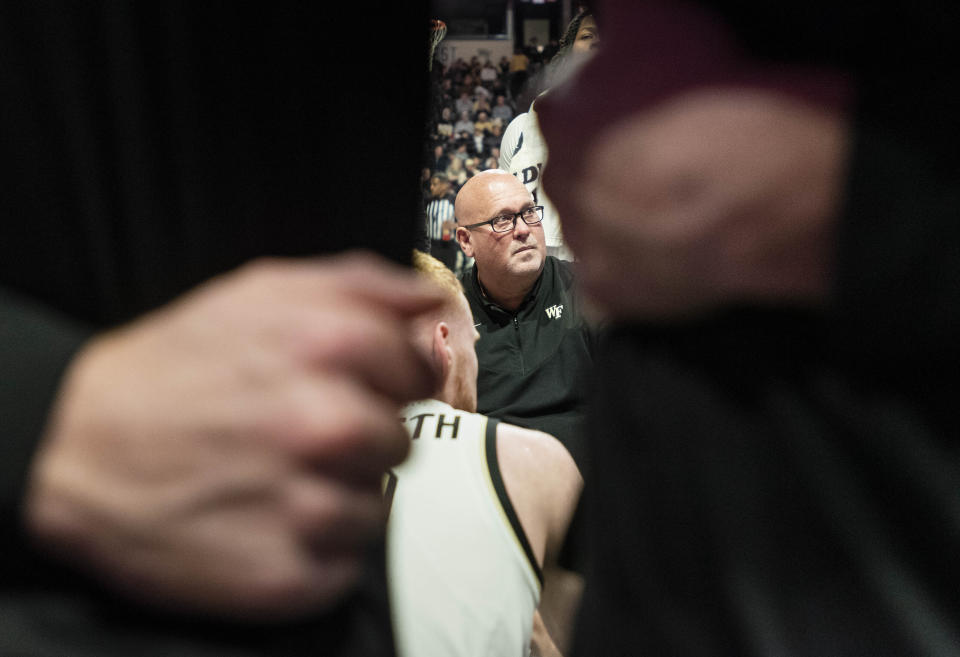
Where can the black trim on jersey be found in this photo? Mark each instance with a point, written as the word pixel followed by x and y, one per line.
pixel 494 466
pixel 389 490
pixel 519 145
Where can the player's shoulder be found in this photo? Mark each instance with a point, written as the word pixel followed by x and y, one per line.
pixel 542 481
pixel 517 123
pixel 505 430
pixel 512 141
pixel 519 448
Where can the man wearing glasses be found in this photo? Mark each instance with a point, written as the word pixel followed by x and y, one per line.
pixel 535 346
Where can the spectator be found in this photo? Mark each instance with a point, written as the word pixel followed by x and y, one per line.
pixel 464 123
pixel 445 124
pixel 464 103
pixel 458 70
pixel 460 151
pixel 455 173
pixel 491 141
pixel 482 105
pixel 470 166
pixel 440 160
pixel 534 52
pixel 489 73
pixel 499 87
pixel 483 121
pixel 519 65
pixel 446 89
pixel 481 93
pixel 502 110
pixel 477 145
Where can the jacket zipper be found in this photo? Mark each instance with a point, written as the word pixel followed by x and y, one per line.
pixel 516 327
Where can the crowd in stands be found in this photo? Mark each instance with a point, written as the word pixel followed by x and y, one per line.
pixel 472 103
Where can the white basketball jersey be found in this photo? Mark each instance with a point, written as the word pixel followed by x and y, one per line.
pixel 523 153
pixel 462 577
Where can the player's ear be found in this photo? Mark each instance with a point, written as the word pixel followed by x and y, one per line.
pixel 463 238
pixel 442 353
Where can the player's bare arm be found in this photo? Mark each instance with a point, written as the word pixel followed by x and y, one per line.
pixel 544 485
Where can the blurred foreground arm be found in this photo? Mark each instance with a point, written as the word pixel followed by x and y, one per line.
pixel 224 453
pixel 757 159
pixel 541 644
pixel 713 197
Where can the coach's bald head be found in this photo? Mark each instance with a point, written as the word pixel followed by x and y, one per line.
pixel 508 263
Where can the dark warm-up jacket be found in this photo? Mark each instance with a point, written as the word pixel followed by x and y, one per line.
pixel 534 362
pixel 771 480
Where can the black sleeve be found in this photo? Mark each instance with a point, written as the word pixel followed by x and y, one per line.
pixel 761 483
pixel 145 148
pixel 898 277
pixel 36 345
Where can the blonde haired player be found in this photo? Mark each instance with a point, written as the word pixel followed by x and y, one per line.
pixel 476 511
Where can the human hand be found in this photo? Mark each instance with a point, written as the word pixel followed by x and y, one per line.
pixel 225 452
pixel 712 197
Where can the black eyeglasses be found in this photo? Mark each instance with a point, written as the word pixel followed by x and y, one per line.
pixel 507 222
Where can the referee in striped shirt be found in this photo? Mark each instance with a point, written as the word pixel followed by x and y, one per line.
pixel 441 222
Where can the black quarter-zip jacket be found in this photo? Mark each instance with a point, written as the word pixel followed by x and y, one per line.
pixel 535 361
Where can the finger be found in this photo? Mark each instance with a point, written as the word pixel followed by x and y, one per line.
pixel 308 582
pixel 331 576
pixel 357 275
pixel 369 346
pixel 337 426
pixel 379 281
pixel 334 516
